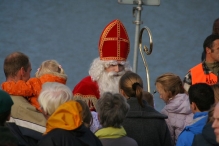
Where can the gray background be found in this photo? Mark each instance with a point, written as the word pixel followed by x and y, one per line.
pixel 68 31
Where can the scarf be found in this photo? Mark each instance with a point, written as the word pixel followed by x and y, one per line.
pixel 110 132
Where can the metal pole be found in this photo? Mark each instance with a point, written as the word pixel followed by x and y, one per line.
pixel 137 14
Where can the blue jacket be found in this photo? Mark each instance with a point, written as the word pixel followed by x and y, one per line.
pixel 187 135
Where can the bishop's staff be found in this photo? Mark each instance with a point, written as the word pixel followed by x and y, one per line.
pixel 138 34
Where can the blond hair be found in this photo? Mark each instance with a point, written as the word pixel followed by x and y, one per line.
pixel 51 67
pixel 171 83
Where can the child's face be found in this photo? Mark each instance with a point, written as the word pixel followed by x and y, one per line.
pixel 163 94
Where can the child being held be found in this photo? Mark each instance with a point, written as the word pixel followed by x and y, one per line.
pixel 49 71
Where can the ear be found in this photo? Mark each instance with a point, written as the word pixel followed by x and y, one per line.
pixel 22 71
pixel 123 93
pixel 8 118
pixel 208 50
pixel 194 107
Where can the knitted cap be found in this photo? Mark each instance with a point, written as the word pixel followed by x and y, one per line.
pixel 114 42
pixel 5 102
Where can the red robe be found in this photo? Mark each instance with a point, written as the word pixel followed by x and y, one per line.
pixel 88 91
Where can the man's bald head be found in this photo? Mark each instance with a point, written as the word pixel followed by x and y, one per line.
pixel 15 62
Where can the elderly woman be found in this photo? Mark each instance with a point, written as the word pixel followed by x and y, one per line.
pixel 112 109
pixel 64 126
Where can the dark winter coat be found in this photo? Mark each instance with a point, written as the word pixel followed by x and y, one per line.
pixel 81 136
pixel 122 141
pixel 206 138
pixel 146 125
pixel 7 138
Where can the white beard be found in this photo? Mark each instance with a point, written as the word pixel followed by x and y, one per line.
pixel 109 82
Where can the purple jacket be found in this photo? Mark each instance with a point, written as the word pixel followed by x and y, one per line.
pixel 179 115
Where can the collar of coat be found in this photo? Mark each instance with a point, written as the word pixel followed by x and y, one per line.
pixel 110 132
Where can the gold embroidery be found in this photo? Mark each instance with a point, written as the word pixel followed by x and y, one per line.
pixel 117 38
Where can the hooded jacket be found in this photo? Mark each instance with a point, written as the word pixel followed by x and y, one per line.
pixel 179 115
pixel 206 138
pixel 146 125
pixel 30 89
pixel 64 128
pixel 187 135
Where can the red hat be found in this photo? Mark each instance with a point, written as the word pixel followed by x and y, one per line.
pixel 114 42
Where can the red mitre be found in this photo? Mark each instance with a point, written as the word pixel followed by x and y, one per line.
pixel 114 42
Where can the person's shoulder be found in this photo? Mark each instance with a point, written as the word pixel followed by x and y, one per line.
pixel 24 111
pixel 20 101
pixel 79 136
pixel 185 138
pixel 6 136
pixel 130 141
pixel 147 115
pixel 56 136
pixel 146 112
pixel 86 80
pixel 198 140
pixel 125 140
pixel 197 66
pixel 86 88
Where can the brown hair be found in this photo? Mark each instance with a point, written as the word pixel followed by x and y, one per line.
pixel 132 84
pixel 215 88
pixel 171 83
pixel 148 97
pixel 210 114
pixel 86 114
pixel 214 31
pixel 14 62
pixel 51 67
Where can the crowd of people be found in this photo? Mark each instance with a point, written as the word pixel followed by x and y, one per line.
pixel 110 106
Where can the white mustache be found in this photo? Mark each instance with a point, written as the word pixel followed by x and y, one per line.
pixel 112 73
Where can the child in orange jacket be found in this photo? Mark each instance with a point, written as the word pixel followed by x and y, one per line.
pixel 49 71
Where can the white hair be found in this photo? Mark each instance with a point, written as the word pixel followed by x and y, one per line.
pixel 98 67
pixel 52 95
pixel 107 81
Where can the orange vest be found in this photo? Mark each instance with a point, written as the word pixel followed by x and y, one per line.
pixel 198 76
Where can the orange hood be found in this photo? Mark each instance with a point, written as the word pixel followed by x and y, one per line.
pixel 67 116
